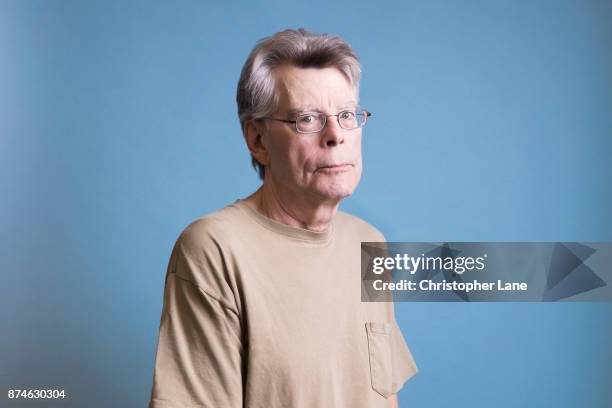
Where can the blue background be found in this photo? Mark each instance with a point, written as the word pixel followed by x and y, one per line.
pixel 118 126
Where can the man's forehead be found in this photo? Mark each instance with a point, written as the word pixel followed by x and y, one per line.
pixel 302 89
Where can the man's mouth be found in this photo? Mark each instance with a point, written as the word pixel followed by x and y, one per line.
pixel 336 167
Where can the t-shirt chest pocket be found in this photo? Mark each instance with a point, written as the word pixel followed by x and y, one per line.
pixel 379 349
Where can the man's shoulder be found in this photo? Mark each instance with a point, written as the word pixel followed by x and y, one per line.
pixel 351 224
pixel 211 228
pixel 200 255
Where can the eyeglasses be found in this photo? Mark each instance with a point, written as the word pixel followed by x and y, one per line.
pixel 313 122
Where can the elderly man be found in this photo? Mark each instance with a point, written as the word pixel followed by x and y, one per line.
pixel 262 303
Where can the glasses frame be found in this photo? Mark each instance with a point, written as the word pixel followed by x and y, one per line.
pixel 366 115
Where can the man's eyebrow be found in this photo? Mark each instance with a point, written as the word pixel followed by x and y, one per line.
pixel 351 104
pixel 307 108
pixel 310 108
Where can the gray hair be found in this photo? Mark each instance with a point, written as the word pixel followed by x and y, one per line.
pixel 256 96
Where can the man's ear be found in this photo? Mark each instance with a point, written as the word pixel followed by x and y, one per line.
pixel 254 135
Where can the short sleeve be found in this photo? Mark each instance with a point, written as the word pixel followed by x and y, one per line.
pixel 404 366
pixel 200 353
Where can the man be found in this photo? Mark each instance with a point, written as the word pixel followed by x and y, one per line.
pixel 262 298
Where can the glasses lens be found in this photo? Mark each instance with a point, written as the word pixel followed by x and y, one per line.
pixel 352 119
pixel 310 122
pixel 348 119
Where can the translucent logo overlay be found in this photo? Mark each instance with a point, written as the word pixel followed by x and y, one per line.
pixel 486 271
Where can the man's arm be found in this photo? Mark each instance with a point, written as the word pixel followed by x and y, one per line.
pixel 200 353
pixel 393 401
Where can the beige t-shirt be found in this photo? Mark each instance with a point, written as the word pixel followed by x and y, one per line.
pixel 259 314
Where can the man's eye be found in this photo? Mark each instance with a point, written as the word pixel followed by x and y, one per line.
pixel 347 115
pixel 306 119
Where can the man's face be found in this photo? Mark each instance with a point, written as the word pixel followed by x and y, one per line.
pixel 325 165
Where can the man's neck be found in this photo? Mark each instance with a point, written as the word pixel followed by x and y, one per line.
pixel 295 211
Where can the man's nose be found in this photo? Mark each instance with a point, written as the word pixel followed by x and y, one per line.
pixel 333 134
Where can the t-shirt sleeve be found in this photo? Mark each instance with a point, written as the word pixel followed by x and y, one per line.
pixel 199 356
pixel 404 366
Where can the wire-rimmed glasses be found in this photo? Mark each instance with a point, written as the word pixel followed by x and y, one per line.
pixel 313 122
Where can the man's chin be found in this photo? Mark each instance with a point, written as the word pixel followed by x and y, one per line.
pixel 335 193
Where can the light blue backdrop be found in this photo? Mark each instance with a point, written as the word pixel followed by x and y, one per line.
pixel 493 122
